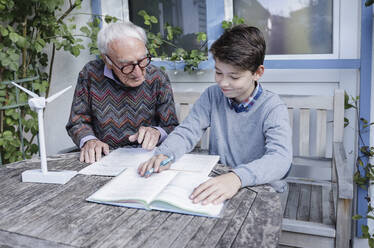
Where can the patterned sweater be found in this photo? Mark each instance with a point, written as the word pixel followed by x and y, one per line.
pixel 110 111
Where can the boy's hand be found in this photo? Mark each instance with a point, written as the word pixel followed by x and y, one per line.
pixel 217 189
pixel 154 163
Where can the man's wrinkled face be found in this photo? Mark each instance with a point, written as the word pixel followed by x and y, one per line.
pixel 123 53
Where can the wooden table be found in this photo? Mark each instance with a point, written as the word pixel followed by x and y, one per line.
pixel 52 215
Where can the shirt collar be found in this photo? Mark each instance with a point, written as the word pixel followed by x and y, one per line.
pixel 109 74
pixel 250 101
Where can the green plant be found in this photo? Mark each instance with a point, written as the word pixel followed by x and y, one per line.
pixel 235 21
pixel 28 30
pixel 191 58
pixel 362 162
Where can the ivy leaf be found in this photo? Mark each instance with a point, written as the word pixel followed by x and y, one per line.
pixel 75 51
pixel 85 30
pixel 4 32
pixel 13 66
pixel 22 42
pixel 13 37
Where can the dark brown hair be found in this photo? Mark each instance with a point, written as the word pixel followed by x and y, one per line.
pixel 241 46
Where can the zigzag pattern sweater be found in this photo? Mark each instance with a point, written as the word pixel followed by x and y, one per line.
pixel 112 112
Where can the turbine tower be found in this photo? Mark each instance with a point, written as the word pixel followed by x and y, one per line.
pixel 37 104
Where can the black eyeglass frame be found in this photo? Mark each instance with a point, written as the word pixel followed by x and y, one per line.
pixel 149 57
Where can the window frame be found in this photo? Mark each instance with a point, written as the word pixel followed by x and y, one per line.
pixel 229 13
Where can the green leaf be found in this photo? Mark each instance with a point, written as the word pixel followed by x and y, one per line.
pixel 75 51
pixel 85 30
pixel 371 242
pixel 22 42
pixel 4 32
pixel 13 66
pixel 357 217
pixel 369 2
pixel 142 13
pixel 13 37
pixel 153 19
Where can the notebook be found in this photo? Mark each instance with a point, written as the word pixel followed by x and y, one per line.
pixel 165 191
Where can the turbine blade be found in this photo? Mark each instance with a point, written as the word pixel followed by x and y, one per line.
pixel 25 90
pixel 53 97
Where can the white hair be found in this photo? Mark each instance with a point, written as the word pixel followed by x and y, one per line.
pixel 119 30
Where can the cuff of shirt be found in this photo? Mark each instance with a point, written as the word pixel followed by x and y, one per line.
pixel 246 176
pixel 85 139
pixel 163 134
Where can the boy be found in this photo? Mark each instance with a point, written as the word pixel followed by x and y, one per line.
pixel 250 129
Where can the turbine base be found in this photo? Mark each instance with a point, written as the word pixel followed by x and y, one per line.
pixel 37 176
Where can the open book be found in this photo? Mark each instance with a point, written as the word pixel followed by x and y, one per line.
pixel 120 159
pixel 165 191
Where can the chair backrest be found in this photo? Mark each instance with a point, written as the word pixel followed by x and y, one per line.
pixel 183 104
pixel 317 122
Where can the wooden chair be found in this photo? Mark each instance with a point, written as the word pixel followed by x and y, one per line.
pixel 317 205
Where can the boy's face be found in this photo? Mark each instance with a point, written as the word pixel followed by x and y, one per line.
pixel 234 82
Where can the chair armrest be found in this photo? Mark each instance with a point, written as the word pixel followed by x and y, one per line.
pixel 343 173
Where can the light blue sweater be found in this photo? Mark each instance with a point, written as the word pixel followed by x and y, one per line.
pixel 255 144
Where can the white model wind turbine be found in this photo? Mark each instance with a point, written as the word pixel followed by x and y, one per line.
pixel 37 104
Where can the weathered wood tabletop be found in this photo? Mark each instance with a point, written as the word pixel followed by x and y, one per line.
pixel 52 215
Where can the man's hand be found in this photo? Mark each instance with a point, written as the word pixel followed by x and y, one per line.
pixel 147 136
pixel 92 150
pixel 217 189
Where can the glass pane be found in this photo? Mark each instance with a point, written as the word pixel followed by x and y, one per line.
pixel 189 15
pixel 291 26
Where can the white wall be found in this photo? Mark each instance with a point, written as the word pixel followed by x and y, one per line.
pixel 65 72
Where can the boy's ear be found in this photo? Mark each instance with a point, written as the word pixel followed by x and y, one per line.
pixel 259 72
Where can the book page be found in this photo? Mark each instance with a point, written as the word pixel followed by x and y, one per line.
pixel 176 194
pixel 130 187
pixel 120 159
pixel 117 161
pixel 202 164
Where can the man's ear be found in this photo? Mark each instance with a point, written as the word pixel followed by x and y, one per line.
pixel 106 61
pixel 259 72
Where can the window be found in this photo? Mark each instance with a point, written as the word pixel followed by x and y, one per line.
pixel 291 27
pixel 189 15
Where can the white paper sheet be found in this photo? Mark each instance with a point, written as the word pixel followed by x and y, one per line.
pixel 120 159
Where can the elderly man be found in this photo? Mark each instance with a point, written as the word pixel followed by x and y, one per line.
pixel 120 100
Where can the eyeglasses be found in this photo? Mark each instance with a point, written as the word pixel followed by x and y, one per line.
pixel 128 68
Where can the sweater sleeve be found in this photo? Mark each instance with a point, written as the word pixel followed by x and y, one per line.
pixel 80 119
pixel 276 161
pixel 184 137
pixel 165 109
